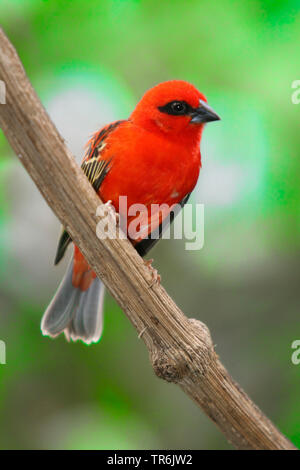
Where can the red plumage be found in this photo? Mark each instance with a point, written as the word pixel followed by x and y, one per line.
pixel 152 158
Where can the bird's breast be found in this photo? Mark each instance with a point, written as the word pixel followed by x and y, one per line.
pixel 149 169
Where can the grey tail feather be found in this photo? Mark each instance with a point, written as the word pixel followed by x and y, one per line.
pixel 75 312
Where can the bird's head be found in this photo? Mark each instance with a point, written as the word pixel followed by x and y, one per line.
pixel 175 107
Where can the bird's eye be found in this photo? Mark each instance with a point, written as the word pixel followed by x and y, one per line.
pixel 175 108
pixel 178 107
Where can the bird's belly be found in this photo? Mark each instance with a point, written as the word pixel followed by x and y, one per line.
pixel 148 193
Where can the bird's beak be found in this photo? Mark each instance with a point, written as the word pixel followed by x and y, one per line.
pixel 204 114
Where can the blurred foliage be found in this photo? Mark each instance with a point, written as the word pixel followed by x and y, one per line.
pixel 90 62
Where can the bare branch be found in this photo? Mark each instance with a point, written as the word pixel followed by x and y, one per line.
pixel 181 350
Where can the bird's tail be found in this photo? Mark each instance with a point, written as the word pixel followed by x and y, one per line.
pixel 76 312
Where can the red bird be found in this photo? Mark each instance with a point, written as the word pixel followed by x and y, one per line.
pixel 152 158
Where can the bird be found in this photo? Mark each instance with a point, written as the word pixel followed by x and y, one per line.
pixel 153 157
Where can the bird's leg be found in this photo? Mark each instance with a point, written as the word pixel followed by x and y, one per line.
pixel 156 278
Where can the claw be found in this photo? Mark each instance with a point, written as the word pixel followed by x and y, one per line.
pixel 142 332
pixel 156 278
pixel 114 213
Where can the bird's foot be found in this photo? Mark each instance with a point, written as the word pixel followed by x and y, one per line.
pixel 156 278
pixel 114 214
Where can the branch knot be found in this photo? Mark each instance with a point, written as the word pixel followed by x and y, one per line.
pixel 173 364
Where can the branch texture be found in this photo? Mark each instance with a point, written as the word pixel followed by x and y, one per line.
pixel 180 349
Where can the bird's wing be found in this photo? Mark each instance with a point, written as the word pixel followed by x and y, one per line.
pixel 95 170
pixel 143 246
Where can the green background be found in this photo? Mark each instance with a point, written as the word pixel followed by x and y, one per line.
pixel 90 62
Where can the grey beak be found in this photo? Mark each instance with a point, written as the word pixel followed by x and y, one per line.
pixel 204 114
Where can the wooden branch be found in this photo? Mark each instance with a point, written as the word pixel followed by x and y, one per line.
pixel 181 349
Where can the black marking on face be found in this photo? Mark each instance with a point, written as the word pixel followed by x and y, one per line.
pixel 177 108
pixel 204 113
